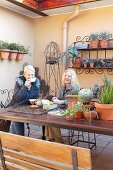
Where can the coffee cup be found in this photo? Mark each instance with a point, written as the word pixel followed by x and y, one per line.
pixel 33 79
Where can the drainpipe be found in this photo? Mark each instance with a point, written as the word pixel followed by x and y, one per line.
pixel 65 30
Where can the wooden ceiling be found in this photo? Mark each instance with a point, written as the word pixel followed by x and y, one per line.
pixel 38 6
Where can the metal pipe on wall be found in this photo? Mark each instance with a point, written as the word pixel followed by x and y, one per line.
pixel 65 31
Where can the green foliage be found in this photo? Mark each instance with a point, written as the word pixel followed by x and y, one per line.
pixel 70 112
pixel 4 45
pixel 72 50
pixel 106 96
pixel 94 36
pixel 22 48
pixel 13 46
pixel 75 108
pixel 104 35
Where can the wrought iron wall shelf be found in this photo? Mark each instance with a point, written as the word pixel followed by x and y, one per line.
pixel 93 70
pixel 106 64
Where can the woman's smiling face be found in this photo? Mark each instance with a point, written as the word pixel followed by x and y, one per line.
pixel 67 77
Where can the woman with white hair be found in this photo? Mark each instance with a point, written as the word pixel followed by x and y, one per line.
pixel 70 85
pixel 27 87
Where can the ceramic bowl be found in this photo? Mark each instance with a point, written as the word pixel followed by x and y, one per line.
pixel 32 101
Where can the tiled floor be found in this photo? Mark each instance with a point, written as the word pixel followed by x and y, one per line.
pixel 102 155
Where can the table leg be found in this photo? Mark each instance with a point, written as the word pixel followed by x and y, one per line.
pixel 43 133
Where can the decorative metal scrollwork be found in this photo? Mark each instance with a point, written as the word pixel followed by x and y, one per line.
pixel 93 70
pixel 5 97
pixel 110 71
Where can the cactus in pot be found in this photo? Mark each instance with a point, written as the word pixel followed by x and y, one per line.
pixel 85 95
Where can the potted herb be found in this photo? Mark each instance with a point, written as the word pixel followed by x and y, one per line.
pixel 21 51
pixel 105 105
pixel 13 51
pixel 104 39
pixel 4 49
pixel 94 41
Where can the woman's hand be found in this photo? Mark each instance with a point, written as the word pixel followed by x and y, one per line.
pixel 28 83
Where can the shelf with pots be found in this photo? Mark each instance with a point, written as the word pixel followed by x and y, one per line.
pixel 12 51
pixel 91 63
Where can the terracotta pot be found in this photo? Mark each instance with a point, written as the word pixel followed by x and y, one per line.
pixel 4 54
pixel 20 56
pixel 90 115
pixel 72 99
pixel 68 117
pixel 91 65
pixel 77 63
pixel 79 115
pixel 104 43
pixel 89 106
pixel 94 43
pixel 12 55
pixel 105 111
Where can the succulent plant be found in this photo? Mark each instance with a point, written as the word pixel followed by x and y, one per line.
pixel 85 95
pixel 104 35
pixel 94 36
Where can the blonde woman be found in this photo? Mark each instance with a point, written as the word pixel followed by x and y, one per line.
pixel 70 85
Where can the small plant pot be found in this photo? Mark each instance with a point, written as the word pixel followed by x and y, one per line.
pixel 94 43
pixel 91 65
pixel 12 55
pixel 85 65
pixel 91 115
pixel 19 56
pixel 79 115
pixel 104 43
pixel 68 117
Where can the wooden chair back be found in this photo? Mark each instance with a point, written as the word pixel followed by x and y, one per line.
pixel 24 153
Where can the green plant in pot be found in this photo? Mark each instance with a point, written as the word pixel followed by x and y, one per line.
pixel 90 114
pixel 85 95
pixel 4 49
pixel 71 55
pixel 105 105
pixel 69 113
pixel 94 41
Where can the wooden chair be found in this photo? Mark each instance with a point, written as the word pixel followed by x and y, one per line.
pixel 23 153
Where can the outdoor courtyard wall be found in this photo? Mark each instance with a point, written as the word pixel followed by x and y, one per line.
pixel 14 28
pixel 50 28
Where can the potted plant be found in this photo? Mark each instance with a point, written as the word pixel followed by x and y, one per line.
pixel 85 62
pixel 92 62
pixel 21 51
pixel 13 51
pixel 90 114
pixel 94 41
pixel 69 113
pixel 85 95
pixel 105 105
pixel 73 59
pixel 104 39
pixel 4 49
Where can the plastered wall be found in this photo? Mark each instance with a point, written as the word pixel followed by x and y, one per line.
pixel 16 28
pixel 48 29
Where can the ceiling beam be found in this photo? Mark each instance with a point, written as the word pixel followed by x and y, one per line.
pixel 27 7
pixel 49 4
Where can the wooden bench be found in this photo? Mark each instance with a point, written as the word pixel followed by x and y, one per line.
pixel 23 153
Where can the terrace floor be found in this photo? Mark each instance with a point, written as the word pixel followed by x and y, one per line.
pixel 102 155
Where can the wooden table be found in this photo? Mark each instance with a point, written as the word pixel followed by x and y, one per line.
pixel 96 126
